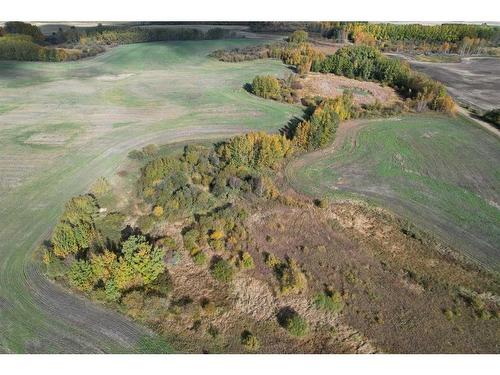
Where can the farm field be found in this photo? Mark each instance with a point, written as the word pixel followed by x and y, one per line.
pixel 439 172
pixel 62 126
pixel 473 81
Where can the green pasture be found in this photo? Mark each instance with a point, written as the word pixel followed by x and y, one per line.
pixel 62 125
pixel 437 171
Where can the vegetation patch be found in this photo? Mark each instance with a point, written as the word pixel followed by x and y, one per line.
pixel 292 321
pixel 222 271
pixel 329 300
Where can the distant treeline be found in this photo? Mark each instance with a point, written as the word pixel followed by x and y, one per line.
pixel 462 39
pixel 25 42
pixel 430 33
pixel 446 32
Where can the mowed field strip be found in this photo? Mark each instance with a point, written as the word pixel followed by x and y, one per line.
pixel 437 171
pixel 62 125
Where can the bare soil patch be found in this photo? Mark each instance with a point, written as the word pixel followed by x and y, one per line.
pixel 326 46
pixel 331 85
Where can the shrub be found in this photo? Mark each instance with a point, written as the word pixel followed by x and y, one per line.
pixel 271 260
pixel 249 341
pixel 330 301
pixel 146 223
pixel 290 277
pixel 200 258
pixel 100 187
pixel 493 117
pixel 247 260
pixel 267 87
pixel 217 235
pixel 136 155
pixel 158 211
pixel 150 150
pixel 190 239
pixel 55 267
pixel 321 203
pixel 298 36
pixel 295 324
pixel 222 271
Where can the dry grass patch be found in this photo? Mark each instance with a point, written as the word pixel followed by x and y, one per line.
pixel 330 85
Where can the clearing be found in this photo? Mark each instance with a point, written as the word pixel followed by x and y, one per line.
pixel 331 85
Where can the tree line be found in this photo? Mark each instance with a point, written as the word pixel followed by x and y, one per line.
pixel 431 33
pixel 25 42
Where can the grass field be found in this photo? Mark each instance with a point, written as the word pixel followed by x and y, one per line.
pixel 64 124
pixel 440 172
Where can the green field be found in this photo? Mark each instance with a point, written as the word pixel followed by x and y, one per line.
pixel 439 172
pixel 62 125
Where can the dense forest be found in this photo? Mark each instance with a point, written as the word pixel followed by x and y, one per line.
pixel 25 42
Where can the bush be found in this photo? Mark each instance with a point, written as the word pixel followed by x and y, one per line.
pixel 243 54
pixel 100 187
pixel 298 36
pixel 493 117
pixel 330 301
pixel 112 292
pixel 222 271
pixel 55 267
pixel 200 258
pixel 249 341
pixel 295 324
pixel 146 223
pixel 267 87
pixel 247 260
pixel 321 203
pixel 271 260
pixel 158 211
pixel 109 228
pixel 290 277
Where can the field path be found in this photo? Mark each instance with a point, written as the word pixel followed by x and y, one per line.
pixel 62 126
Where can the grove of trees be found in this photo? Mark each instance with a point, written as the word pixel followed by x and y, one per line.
pixel 368 63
